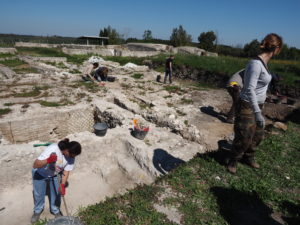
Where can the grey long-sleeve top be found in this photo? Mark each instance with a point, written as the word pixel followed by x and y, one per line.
pixel 256 81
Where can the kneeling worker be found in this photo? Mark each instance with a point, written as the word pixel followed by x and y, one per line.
pixel 96 73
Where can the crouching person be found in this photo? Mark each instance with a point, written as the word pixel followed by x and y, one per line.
pixel 56 160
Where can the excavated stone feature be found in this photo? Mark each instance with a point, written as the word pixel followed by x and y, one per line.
pixel 8 50
pixel 47 126
pixel 6 72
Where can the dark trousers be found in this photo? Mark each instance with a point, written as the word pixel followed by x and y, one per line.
pixel 101 74
pixel 168 73
pixel 247 135
pixel 235 95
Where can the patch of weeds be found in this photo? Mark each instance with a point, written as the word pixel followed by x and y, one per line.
pixel 5 55
pixel 65 101
pixel 150 89
pixel 8 104
pixel 140 86
pixel 186 101
pixel 174 89
pixel 89 99
pixel 45 94
pixel 143 93
pixel 77 59
pixel 125 59
pixel 160 69
pixel 19 66
pixel 75 71
pixel 50 63
pixel 50 104
pixel 42 52
pixel 61 65
pixel 143 105
pixel 126 86
pixel 169 104
pixel 13 62
pixel 25 69
pixel 41 222
pixel 35 92
pixel 81 95
pixel 90 86
pixel 5 111
pixel 186 122
pixel 147 142
pixel 137 75
pixel 180 113
pixel 168 96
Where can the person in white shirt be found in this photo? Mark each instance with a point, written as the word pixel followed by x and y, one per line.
pixel 56 160
pixel 249 123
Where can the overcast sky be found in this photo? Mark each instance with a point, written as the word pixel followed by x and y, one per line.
pixel 236 22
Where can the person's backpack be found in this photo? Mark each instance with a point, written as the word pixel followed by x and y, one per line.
pixel 158 78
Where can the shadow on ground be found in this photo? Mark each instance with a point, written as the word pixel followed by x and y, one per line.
pixel 293 210
pixel 221 155
pixel 209 110
pixel 165 162
pixel 239 208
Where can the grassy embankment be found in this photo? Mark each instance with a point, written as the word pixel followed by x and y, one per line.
pixel 203 192
pixel 223 65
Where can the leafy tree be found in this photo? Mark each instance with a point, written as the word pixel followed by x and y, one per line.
pixel 252 49
pixel 147 35
pixel 206 40
pixel 113 36
pixel 180 37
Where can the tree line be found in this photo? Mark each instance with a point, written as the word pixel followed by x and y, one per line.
pixel 206 40
pixel 179 37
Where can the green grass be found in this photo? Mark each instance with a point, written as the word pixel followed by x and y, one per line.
pixel 5 55
pixel 36 91
pixel 174 89
pixel 52 52
pixel 19 66
pixel 137 75
pixel 8 104
pixel 5 111
pixel 222 65
pixel 50 104
pixel 12 63
pixel 41 52
pixel 125 59
pixel 186 101
pixel 89 86
pixel 203 192
pixel 75 71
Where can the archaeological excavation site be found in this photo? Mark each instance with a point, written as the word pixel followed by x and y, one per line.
pixel 44 99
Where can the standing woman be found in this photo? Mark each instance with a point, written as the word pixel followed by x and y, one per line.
pixel 56 159
pixel 249 123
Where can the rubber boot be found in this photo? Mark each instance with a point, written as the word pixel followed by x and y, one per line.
pixel 251 162
pixel 232 166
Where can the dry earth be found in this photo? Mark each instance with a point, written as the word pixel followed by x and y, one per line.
pixel 182 123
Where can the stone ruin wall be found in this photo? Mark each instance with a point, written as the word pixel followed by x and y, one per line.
pixel 48 127
pixel 130 49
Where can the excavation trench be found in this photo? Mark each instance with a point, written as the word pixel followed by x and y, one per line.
pixel 107 166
